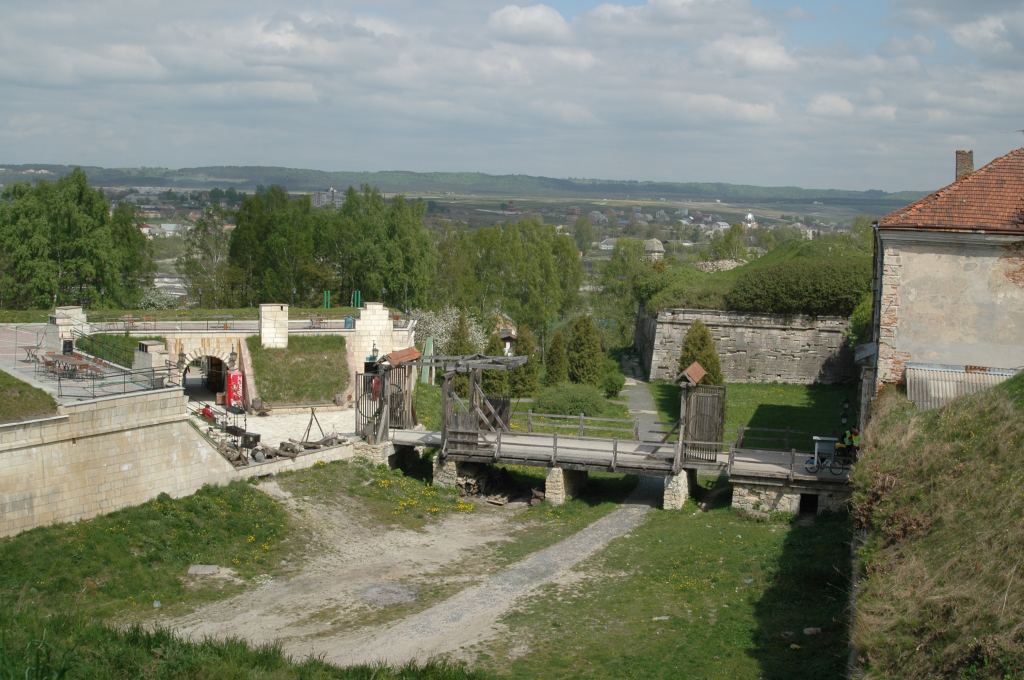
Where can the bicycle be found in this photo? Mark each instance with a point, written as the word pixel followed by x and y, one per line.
pixel 836 463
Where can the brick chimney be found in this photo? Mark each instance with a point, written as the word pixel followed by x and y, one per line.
pixel 964 163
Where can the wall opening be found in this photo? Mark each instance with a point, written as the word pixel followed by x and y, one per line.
pixel 808 504
pixel 204 377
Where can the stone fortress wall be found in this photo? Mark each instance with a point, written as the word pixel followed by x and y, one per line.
pixel 754 348
pixel 109 453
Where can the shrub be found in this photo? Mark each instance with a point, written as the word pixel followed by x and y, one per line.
pixel 699 346
pixel 860 321
pixel 802 286
pixel 612 381
pixel 584 352
pixel 570 400
pixel 556 363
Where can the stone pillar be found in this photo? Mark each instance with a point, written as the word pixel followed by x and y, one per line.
pixel 64 323
pixel 561 485
pixel 446 472
pixel 274 325
pixel 678 488
pixel 153 357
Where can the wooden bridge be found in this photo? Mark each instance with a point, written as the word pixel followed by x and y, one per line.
pixel 481 430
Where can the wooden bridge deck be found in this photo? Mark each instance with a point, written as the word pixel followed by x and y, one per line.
pixel 626 456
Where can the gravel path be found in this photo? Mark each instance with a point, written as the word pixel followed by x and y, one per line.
pixel 472 615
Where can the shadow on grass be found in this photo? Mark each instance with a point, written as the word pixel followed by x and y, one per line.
pixel 809 590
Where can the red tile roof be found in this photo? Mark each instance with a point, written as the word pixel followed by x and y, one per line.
pixel 990 199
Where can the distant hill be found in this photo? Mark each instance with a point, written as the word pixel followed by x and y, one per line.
pixel 297 179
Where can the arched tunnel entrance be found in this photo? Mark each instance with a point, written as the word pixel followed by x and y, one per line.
pixel 204 377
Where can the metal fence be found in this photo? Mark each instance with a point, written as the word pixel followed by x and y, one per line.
pixel 932 385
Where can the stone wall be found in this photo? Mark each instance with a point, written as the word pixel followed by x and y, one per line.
pixel 753 347
pixel 109 453
pixel 561 485
pixel 761 499
pixel 678 488
pixel 949 298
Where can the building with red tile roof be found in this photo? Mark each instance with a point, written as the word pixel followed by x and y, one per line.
pixel 949 276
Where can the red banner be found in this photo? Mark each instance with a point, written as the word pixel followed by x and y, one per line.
pixel 234 389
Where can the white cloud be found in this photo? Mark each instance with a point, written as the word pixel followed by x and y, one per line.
pixel 535 23
pixel 830 104
pixel 754 53
pixel 985 35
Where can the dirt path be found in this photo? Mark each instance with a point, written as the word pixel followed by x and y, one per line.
pixel 362 569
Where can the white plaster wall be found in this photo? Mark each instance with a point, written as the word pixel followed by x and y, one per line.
pixel 951 304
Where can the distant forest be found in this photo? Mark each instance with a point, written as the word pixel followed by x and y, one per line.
pixel 295 179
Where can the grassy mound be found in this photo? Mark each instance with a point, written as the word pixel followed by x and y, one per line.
pixel 21 401
pixel 939 495
pixel 311 370
pixel 117 348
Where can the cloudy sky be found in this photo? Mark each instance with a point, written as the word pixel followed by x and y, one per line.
pixel 853 95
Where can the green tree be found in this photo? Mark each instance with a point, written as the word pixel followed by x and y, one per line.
pixel 583 234
pixel 699 346
pixel 731 245
pixel 556 361
pixel 459 344
pixel 618 299
pixel 583 350
pixel 204 266
pixel 495 382
pixel 524 381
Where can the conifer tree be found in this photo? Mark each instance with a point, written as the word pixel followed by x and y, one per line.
pixel 495 383
pixel 556 362
pixel 583 351
pixel 699 346
pixel 524 381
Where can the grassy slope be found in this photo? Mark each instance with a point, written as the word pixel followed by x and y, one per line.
pixel 939 494
pixel 692 596
pixel 21 401
pixel 311 370
pixel 59 584
pixel 115 347
pixel 688 287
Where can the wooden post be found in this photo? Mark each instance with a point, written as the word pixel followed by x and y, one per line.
pixel 732 459
pixel 497 448
pixel 554 449
pixel 677 459
pixel 683 393
pixel 636 429
pixel 582 425
pixel 615 453
pixel 529 420
pixel 792 461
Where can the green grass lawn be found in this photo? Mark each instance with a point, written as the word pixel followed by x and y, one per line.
pixel 426 401
pixel 705 595
pixel 311 370
pixel 808 409
pixel 21 401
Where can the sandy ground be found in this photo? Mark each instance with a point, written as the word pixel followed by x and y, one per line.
pixel 358 570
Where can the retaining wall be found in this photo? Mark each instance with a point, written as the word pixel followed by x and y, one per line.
pixel 109 453
pixel 754 348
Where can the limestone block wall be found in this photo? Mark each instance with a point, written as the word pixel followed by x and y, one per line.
pixel 757 499
pixel 678 488
pixel 752 347
pixel 375 328
pixel 949 299
pixel 762 499
pixel 101 455
pixel 274 325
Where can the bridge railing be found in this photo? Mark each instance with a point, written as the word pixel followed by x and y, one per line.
pixel 578 426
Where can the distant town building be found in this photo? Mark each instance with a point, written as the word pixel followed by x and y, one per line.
pixel 607 244
pixel 330 198
pixel 654 250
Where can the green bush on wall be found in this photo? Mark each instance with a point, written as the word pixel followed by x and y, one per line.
pixel 814 287
pixel 568 399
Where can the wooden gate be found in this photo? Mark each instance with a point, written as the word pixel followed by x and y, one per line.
pixel 702 417
pixel 384 401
